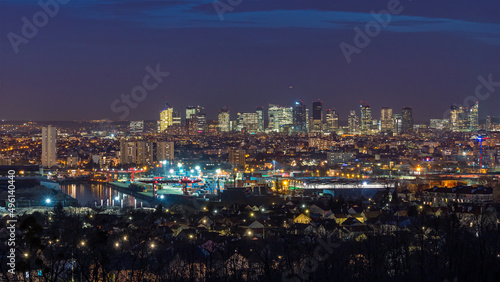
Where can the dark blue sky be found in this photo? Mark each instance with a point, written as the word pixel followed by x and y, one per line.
pixel 429 56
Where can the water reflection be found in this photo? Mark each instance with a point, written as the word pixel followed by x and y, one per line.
pixel 90 194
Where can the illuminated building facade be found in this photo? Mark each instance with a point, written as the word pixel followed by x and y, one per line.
pixel 49 148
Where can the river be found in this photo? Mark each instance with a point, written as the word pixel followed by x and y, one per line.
pixel 89 194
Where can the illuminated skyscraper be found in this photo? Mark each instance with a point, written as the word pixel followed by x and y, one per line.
pixel 299 117
pixel 489 123
pixel 397 123
pixel 366 119
pixel 386 123
pixel 166 118
pixel 332 120
pixel 353 123
pixel 190 110
pixel 407 121
pixel 458 119
pixel 279 118
pixel 260 113
pixel 200 119
pixel 176 118
pixel 224 120
pixel 49 149
pixel 474 117
pixel 250 122
pixel 317 118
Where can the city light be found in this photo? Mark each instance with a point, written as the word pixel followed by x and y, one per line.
pixel 48 201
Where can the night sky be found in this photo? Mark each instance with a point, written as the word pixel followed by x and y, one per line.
pixel 429 56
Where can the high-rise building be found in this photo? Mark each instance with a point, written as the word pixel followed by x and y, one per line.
pixel 136 126
pixel 260 113
pixel 166 118
pixel 317 118
pixel 279 118
pixel 250 122
pixel 200 119
pixel 299 117
pixel 144 152
pixel 353 123
pixel 176 118
pixel 49 149
pixel 474 117
pixel 489 123
pixel 407 120
pixel 397 123
pixel 440 124
pixel 190 110
pixel 366 119
pixel 164 151
pixel 458 118
pixel 224 120
pixel 332 120
pixel 386 123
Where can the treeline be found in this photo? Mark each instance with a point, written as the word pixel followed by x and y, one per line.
pixel 141 247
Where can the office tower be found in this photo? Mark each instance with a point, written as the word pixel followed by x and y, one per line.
pixel 386 123
pixel 488 123
pixel 202 119
pixel 366 119
pixel 299 117
pixel 239 122
pixel 474 117
pixel 260 113
pixel 458 119
pixel 190 110
pixel 397 123
pixel 317 118
pixel 176 118
pixel 136 126
pixel 49 149
pixel 440 124
pixel 353 123
pixel 250 122
pixel 279 118
pixel 332 120
pixel 407 120
pixel 237 157
pixel 224 120
pixel 166 118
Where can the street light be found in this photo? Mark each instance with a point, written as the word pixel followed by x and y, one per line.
pixel 161 196
pixel 48 201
